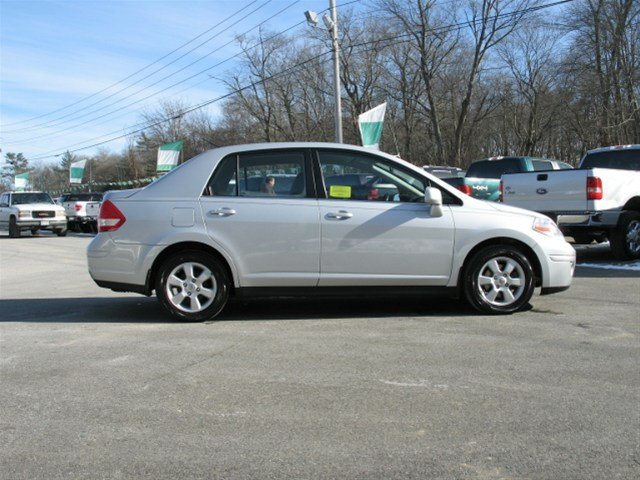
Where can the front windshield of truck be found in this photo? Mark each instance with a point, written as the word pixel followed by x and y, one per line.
pixel 620 159
pixel 26 198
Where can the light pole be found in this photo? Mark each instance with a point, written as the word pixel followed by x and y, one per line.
pixel 332 26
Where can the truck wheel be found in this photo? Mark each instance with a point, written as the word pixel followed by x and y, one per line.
pixel 498 280
pixel 192 286
pixel 14 229
pixel 34 231
pixel 625 238
pixel 62 232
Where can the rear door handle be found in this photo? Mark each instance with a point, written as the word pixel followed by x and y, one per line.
pixel 222 212
pixel 340 215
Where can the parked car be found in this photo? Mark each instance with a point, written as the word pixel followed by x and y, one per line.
pixel 482 179
pixel 32 211
pixel 82 210
pixel 598 201
pixel 195 238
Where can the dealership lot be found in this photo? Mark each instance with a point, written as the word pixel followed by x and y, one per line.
pixel 97 384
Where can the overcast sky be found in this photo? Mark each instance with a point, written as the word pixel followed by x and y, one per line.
pixel 54 54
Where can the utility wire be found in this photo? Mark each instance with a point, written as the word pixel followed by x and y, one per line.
pixel 50 123
pixel 376 44
pixel 92 120
pixel 137 71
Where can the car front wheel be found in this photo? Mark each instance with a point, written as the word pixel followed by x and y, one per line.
pixel 193 286
pixel 499 279
pixel 14 229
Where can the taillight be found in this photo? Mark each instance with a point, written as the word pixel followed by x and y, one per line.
pixel 594 188
pixel 374 194
pixel 500 197
pixel 110 218
pixel 466 189
pixel 78 207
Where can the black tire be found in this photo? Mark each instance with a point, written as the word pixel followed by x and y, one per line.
pixel 14 229
pixel 186 300
pixel 625 238
pixel 62 232
pixel 34 231
pixel 85 228
pixel 507 282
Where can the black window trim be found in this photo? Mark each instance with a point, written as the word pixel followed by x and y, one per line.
pixel 308 175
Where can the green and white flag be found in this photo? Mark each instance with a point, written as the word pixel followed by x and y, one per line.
pixel 370 123
pixel 77 171
pixel 168 156
pixel 21 181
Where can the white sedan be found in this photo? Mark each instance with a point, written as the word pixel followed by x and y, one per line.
pixel 204 232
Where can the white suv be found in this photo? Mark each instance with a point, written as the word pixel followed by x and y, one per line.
pixel 204 232
pixel 31 211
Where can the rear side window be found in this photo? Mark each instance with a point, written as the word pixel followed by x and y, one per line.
pixel 620 159
pixel 494 168
pixel 267 174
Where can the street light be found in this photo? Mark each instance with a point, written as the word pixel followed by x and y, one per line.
pixel 332 26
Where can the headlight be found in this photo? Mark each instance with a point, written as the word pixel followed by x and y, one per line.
pixel 547 227
pixel 24 213
pixel 60 213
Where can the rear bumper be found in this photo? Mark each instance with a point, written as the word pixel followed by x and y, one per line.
pixel 592 220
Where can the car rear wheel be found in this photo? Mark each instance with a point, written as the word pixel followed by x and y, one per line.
pixel 14 229
pixel 61 232
pixel 34 231
pixel 193 286
pixel 625 238
pixel 499 279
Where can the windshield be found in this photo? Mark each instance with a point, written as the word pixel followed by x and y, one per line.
pixel 25 198
pixel 621 159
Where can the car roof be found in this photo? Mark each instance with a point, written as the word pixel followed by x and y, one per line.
pixel 179 183
pixel 615 147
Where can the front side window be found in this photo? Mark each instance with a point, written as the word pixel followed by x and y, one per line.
pixel 260 174
pixel 354 176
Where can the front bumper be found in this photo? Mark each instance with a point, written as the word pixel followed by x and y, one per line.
pixel 44 224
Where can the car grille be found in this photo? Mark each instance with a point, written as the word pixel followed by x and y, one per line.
pixel 43 214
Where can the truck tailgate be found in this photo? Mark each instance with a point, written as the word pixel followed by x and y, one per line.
pixel 554 191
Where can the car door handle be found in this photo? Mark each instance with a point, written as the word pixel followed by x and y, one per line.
pixel 340 215
pixel 222 212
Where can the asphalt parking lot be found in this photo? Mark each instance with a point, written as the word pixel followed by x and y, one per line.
pixel 97 384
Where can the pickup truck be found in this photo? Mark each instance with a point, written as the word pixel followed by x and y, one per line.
pixel 599 201
pixel 82 210
pixel 482 180
pixel 31 211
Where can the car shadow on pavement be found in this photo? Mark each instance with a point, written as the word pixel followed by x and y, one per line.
pixel 138 309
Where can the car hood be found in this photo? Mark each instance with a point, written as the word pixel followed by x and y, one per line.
pixel 38 206
pixel 502 208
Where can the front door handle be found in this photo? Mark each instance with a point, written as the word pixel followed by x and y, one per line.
pixel 340 215
pixel 222 212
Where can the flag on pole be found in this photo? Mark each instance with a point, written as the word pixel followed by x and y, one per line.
pixel 168 155
pixel 77 171
pixel 21 181
pixel 370 123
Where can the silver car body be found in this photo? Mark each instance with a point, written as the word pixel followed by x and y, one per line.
pixel 312 242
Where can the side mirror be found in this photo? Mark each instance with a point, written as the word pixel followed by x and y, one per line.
pixel 433 197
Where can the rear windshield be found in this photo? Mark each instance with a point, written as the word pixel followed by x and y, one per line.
pixel 620 159
pixel 84 197
pixel 25 198
pixel 494 168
